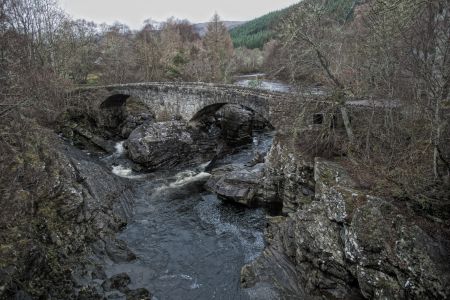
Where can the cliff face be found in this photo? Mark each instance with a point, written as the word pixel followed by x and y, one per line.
pixel 339 241
pixel 56 202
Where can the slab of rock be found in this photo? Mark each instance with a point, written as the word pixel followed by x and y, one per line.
pixel 118 251
pixel 238 184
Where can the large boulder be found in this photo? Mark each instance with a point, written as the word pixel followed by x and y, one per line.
pixel 236 123
pixel 237 183
pixel 397 254
pixel 168 144
pixel 131 122
pixel 233 123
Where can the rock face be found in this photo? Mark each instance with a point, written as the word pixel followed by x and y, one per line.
pixel 346 244
pixel 66 200
pixel 168 144
pixel 289 177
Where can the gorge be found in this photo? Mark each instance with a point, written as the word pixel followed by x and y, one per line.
pixel 158 204
pixel 304 154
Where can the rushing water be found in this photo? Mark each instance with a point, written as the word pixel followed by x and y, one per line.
pixel 188 243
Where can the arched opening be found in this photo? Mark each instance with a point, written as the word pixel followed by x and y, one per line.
pixel 121 114
pixel 208 110
pixel 112 111
pixel 116 100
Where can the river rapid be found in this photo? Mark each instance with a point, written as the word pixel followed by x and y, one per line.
pixel 188 243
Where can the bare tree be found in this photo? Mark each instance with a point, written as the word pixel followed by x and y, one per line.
pixel 219 49
pixel 317 35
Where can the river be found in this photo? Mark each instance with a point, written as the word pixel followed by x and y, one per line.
pixel 259 81
pixel 188 243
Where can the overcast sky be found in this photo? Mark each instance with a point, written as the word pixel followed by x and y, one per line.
pixel 134 12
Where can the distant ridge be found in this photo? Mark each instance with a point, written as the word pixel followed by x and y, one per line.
pixel 201 28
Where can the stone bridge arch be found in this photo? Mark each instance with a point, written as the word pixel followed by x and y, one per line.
pixel 185 100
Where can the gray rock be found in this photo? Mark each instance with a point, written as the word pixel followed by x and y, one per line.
pixel 139 294
pixel 289 176
pixel 395 256
pixel 115 295
pixel 21 295
pixel 240 184
pixel 118 251
pixel 347 244
pixel 336 190
pixel 236 123
pixel 168 144
pixel 117 282
pixel 79 201
pixel 133 121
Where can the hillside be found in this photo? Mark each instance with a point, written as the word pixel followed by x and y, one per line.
pixel 255 33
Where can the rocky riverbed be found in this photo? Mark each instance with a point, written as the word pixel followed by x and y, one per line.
pixel 220 207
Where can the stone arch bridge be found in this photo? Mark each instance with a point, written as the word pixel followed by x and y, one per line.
pixel 188 100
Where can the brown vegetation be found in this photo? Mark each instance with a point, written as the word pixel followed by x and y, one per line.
pixel 395 56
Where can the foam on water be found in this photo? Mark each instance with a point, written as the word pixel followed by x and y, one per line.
pixel 120 150
pixel 188 245
pixel 252 241
pixel 192 177
pixel 124 172
pixel 203 166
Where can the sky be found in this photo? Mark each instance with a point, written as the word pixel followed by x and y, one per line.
pixel 134 12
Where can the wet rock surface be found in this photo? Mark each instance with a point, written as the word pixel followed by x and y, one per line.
pixel 76 201
pixel 168 144
pixel 346 244
pixel 237 184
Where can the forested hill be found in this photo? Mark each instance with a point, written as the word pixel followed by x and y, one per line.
pixel 255 33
